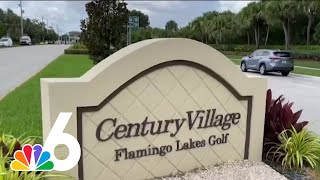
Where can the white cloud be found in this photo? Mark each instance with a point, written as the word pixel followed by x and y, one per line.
pixel 234 6
pixel 67 14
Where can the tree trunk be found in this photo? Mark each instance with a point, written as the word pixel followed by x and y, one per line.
pixel 220 35
pixel 289 33
pixel 267 36
pixel 310 20
pixel 286 34
pixel 248 36
pixel 256 37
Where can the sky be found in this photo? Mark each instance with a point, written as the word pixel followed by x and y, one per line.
pixel 66 15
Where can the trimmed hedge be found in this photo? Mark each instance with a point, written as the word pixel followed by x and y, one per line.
pixel 79 46
pixel 298 52
pixel 76 51
pixel 248 48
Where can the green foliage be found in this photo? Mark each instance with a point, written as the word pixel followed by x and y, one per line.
pixel 171 26
pixel 298 52
pixel 104 31
pixel 258 24
pixel 77 48
pixel 316 35
pixel 76 51
pixel 297 150
pixel 278 118
pixel 10 26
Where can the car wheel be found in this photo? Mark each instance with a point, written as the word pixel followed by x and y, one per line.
pixel 285 73
pixel 262 69
pixel 243 67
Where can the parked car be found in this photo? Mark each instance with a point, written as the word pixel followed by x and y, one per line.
pixel 25 40
pixel 266 60
pixel 6 41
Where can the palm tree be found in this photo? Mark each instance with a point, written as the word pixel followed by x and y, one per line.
pixel 196 29
pixel 285 12
pixel 253 12
pixel 243 22
pixel 310 9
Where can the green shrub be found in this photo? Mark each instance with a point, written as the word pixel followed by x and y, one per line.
pixel 279 117
pixel 76 51
pixel 298 51
pixel 297 150
pixel 78 46
pixel 306 55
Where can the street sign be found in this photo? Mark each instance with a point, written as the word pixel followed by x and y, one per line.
pixel 133 22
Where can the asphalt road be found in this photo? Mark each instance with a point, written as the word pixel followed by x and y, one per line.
pixel 18 64
pixel 304 91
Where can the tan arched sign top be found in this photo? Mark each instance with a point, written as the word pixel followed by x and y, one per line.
pixel 158 107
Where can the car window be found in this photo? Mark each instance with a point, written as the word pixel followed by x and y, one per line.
pixel 265 53
pixel 282 54
pixel 255 53
pixel 3 39
pixel 258 53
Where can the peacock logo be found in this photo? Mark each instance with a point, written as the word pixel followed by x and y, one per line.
pixel 32 158
pixel 38 158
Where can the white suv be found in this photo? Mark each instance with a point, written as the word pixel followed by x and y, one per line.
pixel 6 41
pixel 25 40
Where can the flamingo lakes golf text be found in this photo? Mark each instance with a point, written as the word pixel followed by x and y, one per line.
pixel 195 120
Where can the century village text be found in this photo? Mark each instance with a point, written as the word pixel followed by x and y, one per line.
pixel 200 119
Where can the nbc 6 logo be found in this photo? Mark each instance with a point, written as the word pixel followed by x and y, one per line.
pixel 38 158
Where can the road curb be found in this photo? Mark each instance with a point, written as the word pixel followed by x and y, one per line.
pixel 306 76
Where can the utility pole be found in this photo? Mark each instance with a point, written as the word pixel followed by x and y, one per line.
pixel 47 25
pixel 21 19
pixel 42 30
pixel 58 33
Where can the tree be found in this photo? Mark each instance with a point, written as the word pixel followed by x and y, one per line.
pixel 171 26
pixel 10 26
pixel 104 31
pixel 252 16
pixel 262 22
pixel 310 9
pixel 244 24
pixel 143 18
pixel 285 12
pixel 316 35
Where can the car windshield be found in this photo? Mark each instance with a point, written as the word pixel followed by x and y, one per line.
pixel 24 39
pixel 282 54
pixel 4 39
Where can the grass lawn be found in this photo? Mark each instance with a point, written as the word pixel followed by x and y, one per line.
pixel 21 109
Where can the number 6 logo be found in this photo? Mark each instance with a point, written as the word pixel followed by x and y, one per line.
pixel 57 137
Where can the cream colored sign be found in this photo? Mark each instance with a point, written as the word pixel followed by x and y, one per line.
pixel 158 107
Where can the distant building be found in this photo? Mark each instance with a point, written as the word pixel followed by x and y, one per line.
pixel 74 36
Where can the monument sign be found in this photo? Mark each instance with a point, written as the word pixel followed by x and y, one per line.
pixel 158 107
